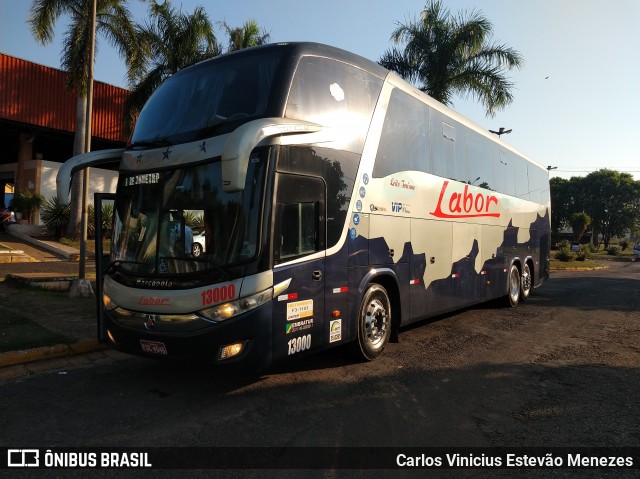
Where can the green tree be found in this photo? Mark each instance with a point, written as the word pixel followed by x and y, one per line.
pixel 611 200
pixel 579 224
pixel 447 55
pixel 248 35
pixel 113 24
pixel 561 203
pixel 172 40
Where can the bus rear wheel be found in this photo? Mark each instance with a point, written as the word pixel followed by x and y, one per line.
pixel 525 282
pixel 374 323
pixel 513 286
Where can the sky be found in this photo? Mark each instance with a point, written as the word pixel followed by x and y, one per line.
pixel 577 98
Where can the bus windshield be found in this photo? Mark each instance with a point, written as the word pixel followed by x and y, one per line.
pixel 206 100
pixel 159 216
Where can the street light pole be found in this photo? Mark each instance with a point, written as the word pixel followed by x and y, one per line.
pixel 501 131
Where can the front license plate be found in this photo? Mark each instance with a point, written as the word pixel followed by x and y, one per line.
pixel 154 347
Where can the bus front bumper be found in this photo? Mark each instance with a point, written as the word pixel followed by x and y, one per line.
pixel 243 340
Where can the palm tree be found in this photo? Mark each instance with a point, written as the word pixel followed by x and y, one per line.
pixel 448 55
pixel 172 41
pixel 248 35
pixel 113 23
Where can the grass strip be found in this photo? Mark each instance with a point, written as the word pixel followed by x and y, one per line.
pixel 18 332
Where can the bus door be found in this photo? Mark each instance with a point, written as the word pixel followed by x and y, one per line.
pixel 299 231
pixel 103 227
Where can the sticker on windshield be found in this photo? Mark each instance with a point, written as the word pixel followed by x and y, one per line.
pixel 146 179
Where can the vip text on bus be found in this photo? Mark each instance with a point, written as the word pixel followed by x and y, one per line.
pixel 290 198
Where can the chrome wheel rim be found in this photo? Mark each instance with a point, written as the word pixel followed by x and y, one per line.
pixel 376 323
pixel 514 285
pixel 526 281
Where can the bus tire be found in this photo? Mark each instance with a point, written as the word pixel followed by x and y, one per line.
pixel 374 323
pixel 525 282
pixel 513 286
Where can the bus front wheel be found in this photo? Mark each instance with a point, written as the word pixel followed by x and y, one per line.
pixel 374 323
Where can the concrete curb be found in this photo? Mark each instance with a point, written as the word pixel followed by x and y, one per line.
pixel 14 358
pixel 68 255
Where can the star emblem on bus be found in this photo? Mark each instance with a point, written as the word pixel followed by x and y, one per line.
pixel 139 158
pixel 166 153
pixel 203 147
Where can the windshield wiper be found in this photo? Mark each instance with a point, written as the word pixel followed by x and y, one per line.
pixel 150 144
pixel 209 130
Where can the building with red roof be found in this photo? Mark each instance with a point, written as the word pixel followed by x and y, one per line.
pixel 37 125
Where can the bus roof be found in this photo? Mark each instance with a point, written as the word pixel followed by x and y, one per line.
pixel 300 49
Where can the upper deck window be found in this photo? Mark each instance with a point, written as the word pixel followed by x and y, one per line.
pixel 335 95
pixel 208 99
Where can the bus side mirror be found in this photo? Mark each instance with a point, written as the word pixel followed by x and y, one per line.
pixel 237 149
pixel 80 162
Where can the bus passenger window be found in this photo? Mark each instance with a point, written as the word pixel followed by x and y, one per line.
pixel 404 141
pixel 505 174
pixel 480 161
pixel 299 232
pixel 443 147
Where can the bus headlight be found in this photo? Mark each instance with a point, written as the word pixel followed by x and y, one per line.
pixel 108 303
pixel 231 350
pixel 228 310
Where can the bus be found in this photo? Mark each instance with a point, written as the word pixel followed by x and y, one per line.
pixel 336 204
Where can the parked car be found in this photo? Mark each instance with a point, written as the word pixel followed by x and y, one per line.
pixel 198 244
pixel 575 246
pixel 636 252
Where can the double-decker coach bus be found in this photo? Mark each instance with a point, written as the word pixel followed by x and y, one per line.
pixel 339 203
